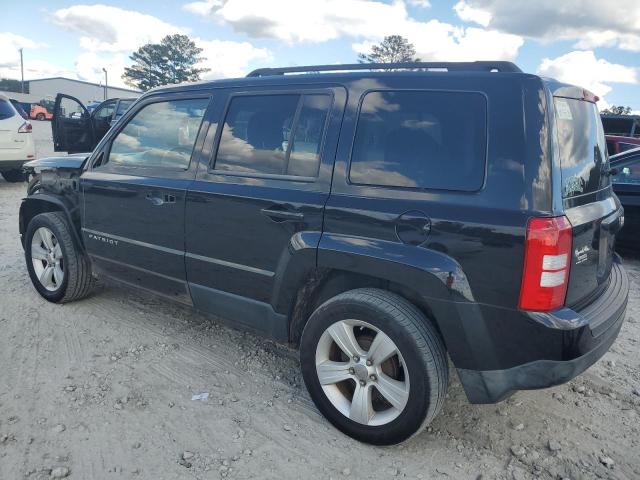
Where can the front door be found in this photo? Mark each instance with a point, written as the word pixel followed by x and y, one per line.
pixel 261 195
pixel 134 195
pixel 71 126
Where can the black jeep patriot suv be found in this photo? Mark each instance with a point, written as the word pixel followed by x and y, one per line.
pixel 383 218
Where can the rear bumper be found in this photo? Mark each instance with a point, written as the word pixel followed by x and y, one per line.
pixel 582 337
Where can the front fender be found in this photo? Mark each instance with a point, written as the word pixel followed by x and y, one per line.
pixel 43 202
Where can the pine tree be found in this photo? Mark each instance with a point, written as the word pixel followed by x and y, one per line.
pixel 393 49
pixel 171 61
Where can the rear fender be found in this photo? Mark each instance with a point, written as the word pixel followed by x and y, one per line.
pixel 437 279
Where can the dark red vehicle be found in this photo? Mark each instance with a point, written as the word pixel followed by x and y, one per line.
pixel 618 144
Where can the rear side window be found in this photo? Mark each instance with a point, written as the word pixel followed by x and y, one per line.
pixel 274 134
pixel 6 110
pixel 419 139
pixel 618 126
pixel 160 135
pixel 582 147
pixel 628 174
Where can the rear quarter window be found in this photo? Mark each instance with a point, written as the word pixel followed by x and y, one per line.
pixel 421 139
pixel 582 147
pixel 6 110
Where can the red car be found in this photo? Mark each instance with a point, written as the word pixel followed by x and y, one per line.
pixel 617 144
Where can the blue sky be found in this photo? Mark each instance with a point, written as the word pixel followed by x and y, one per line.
pixel 597 48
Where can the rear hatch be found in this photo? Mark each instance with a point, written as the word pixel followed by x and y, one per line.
pixel 589 203
pixel 10 121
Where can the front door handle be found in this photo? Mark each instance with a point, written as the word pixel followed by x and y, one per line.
pixel 158 200
pixel 280 215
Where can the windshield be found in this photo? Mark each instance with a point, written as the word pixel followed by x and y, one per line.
pixel 582 147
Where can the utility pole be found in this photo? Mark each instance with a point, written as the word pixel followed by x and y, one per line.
pixel 21 72
pixel 106 83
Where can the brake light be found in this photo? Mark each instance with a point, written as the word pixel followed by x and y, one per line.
pixel 589 96
pixel 546 264
pixel 26 127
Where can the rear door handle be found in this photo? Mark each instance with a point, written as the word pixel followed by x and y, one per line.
pixel 280 215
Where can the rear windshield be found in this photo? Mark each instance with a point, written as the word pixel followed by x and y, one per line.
pixel 6 110
pixel 582 147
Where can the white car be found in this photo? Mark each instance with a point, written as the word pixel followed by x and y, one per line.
pixel 16 142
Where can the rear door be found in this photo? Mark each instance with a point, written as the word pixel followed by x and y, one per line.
pixel 134 194
pixel 588 199
pixel 261 194
pixel 71 126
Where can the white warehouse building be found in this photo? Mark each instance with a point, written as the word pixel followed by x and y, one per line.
pixel 86 92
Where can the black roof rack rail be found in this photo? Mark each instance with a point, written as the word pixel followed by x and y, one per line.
pixel 480 66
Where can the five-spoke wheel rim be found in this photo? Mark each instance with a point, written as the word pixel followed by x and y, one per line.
pixel 47 259
pixel 362 372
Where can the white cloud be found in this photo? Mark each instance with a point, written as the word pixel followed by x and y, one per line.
pixel 10 43
pixel 229 59
pixel 89 67
pixel 314 21
pixel 10 58
pixel 108 35
pixel 467 13
pixel 582 68
pixel 420 3
pixel 591 23
pixel 111 29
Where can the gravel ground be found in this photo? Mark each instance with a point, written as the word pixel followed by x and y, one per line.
pixel 102 388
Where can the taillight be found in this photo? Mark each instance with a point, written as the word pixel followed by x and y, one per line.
pixel 26 127
pixel 546 264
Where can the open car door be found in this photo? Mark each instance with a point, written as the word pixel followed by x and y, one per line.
pixel 71 126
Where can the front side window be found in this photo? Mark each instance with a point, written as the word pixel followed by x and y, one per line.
pixel 628 174
pixel 105 112
pixel 161 135
pixel 420 139
pixel 273 134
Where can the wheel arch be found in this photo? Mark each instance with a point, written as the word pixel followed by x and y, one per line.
pixel 429 279
pixel 43 203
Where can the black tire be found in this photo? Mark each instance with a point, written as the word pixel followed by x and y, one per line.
pixel 77 280
pixel 14 176
pixel 34 185
pixel 416 338
pixel 40 116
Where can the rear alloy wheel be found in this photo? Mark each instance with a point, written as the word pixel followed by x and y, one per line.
pixel 14 176
pixel 365 378
pixel 374 365
pixel 40 116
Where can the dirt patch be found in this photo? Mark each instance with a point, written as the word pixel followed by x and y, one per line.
pixel 103 388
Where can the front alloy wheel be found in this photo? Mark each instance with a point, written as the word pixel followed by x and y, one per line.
pixel 47 259
pixel 59 269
